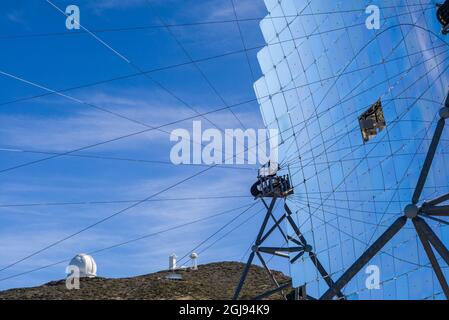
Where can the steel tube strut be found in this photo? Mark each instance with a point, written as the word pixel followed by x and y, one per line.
pixel 271 292
pixel 294 226
pixel 279 227
pixel 433 260
pixel 271 275
pixel 243 276
pixel 324 274
pixel 436 210
pixel 422 214
pixel 438 200
pixel 270 231
pixel 299 255
pixel 265 221
pixel 274 227
pixel 280 254
pixel 365 258
pixel 428 162
pixel 251 256
pixel 280 249
pixel 312 255
pixel 433 238
pixel 276 224
pixel 295 241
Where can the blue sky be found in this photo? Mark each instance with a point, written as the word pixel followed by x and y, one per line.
pixel 34 49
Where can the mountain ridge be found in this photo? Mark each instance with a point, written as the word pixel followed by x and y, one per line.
pixel 213 281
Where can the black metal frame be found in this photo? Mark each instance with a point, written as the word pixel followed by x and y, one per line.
pixel 429 210
pixel 301 248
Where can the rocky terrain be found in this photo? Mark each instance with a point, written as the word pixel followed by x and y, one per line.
pixel 211 281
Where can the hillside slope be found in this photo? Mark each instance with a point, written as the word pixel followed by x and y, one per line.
pixel 210 281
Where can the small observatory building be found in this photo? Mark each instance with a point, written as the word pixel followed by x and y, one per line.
pixel 86 265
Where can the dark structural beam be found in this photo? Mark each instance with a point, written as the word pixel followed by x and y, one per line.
pixel 265 221
pixel 271 292
pixel 251 256
pixel 433 260
pixel 279 249
pixel 276 224
pixel 299 255
pixel 428 162
pixel 438 200
pixel 433 238
pixel 312 255
pixel 324 274
pixel 422 214
pixel 271 275
pixel 294 241
pixel 270 231
pixel 293 225
pixel 365 258
pixel 444 114
pixel 243 276
pixel 436 210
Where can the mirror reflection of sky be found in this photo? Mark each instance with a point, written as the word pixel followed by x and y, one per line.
pixel 322 70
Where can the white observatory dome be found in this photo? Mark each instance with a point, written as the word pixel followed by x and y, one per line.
pixel 194 258
pixel 194 255
pixel 86 265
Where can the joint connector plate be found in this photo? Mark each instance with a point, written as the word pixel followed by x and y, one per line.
pixel 411 211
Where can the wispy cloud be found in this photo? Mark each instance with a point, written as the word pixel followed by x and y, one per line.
pixel 148 255
pixel 244 9
pixel 88 126
pixel 102 5
pixel 16 17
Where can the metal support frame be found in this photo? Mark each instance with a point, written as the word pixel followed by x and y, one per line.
pixel 429 209
pixel 365 258
pixel 252 254
pixel 433 260
pixel 301 248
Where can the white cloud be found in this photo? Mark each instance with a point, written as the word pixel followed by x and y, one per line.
pixel 243 8
pixel 147 255
pixel 101 5
pixel 16 17
pixel 87 126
